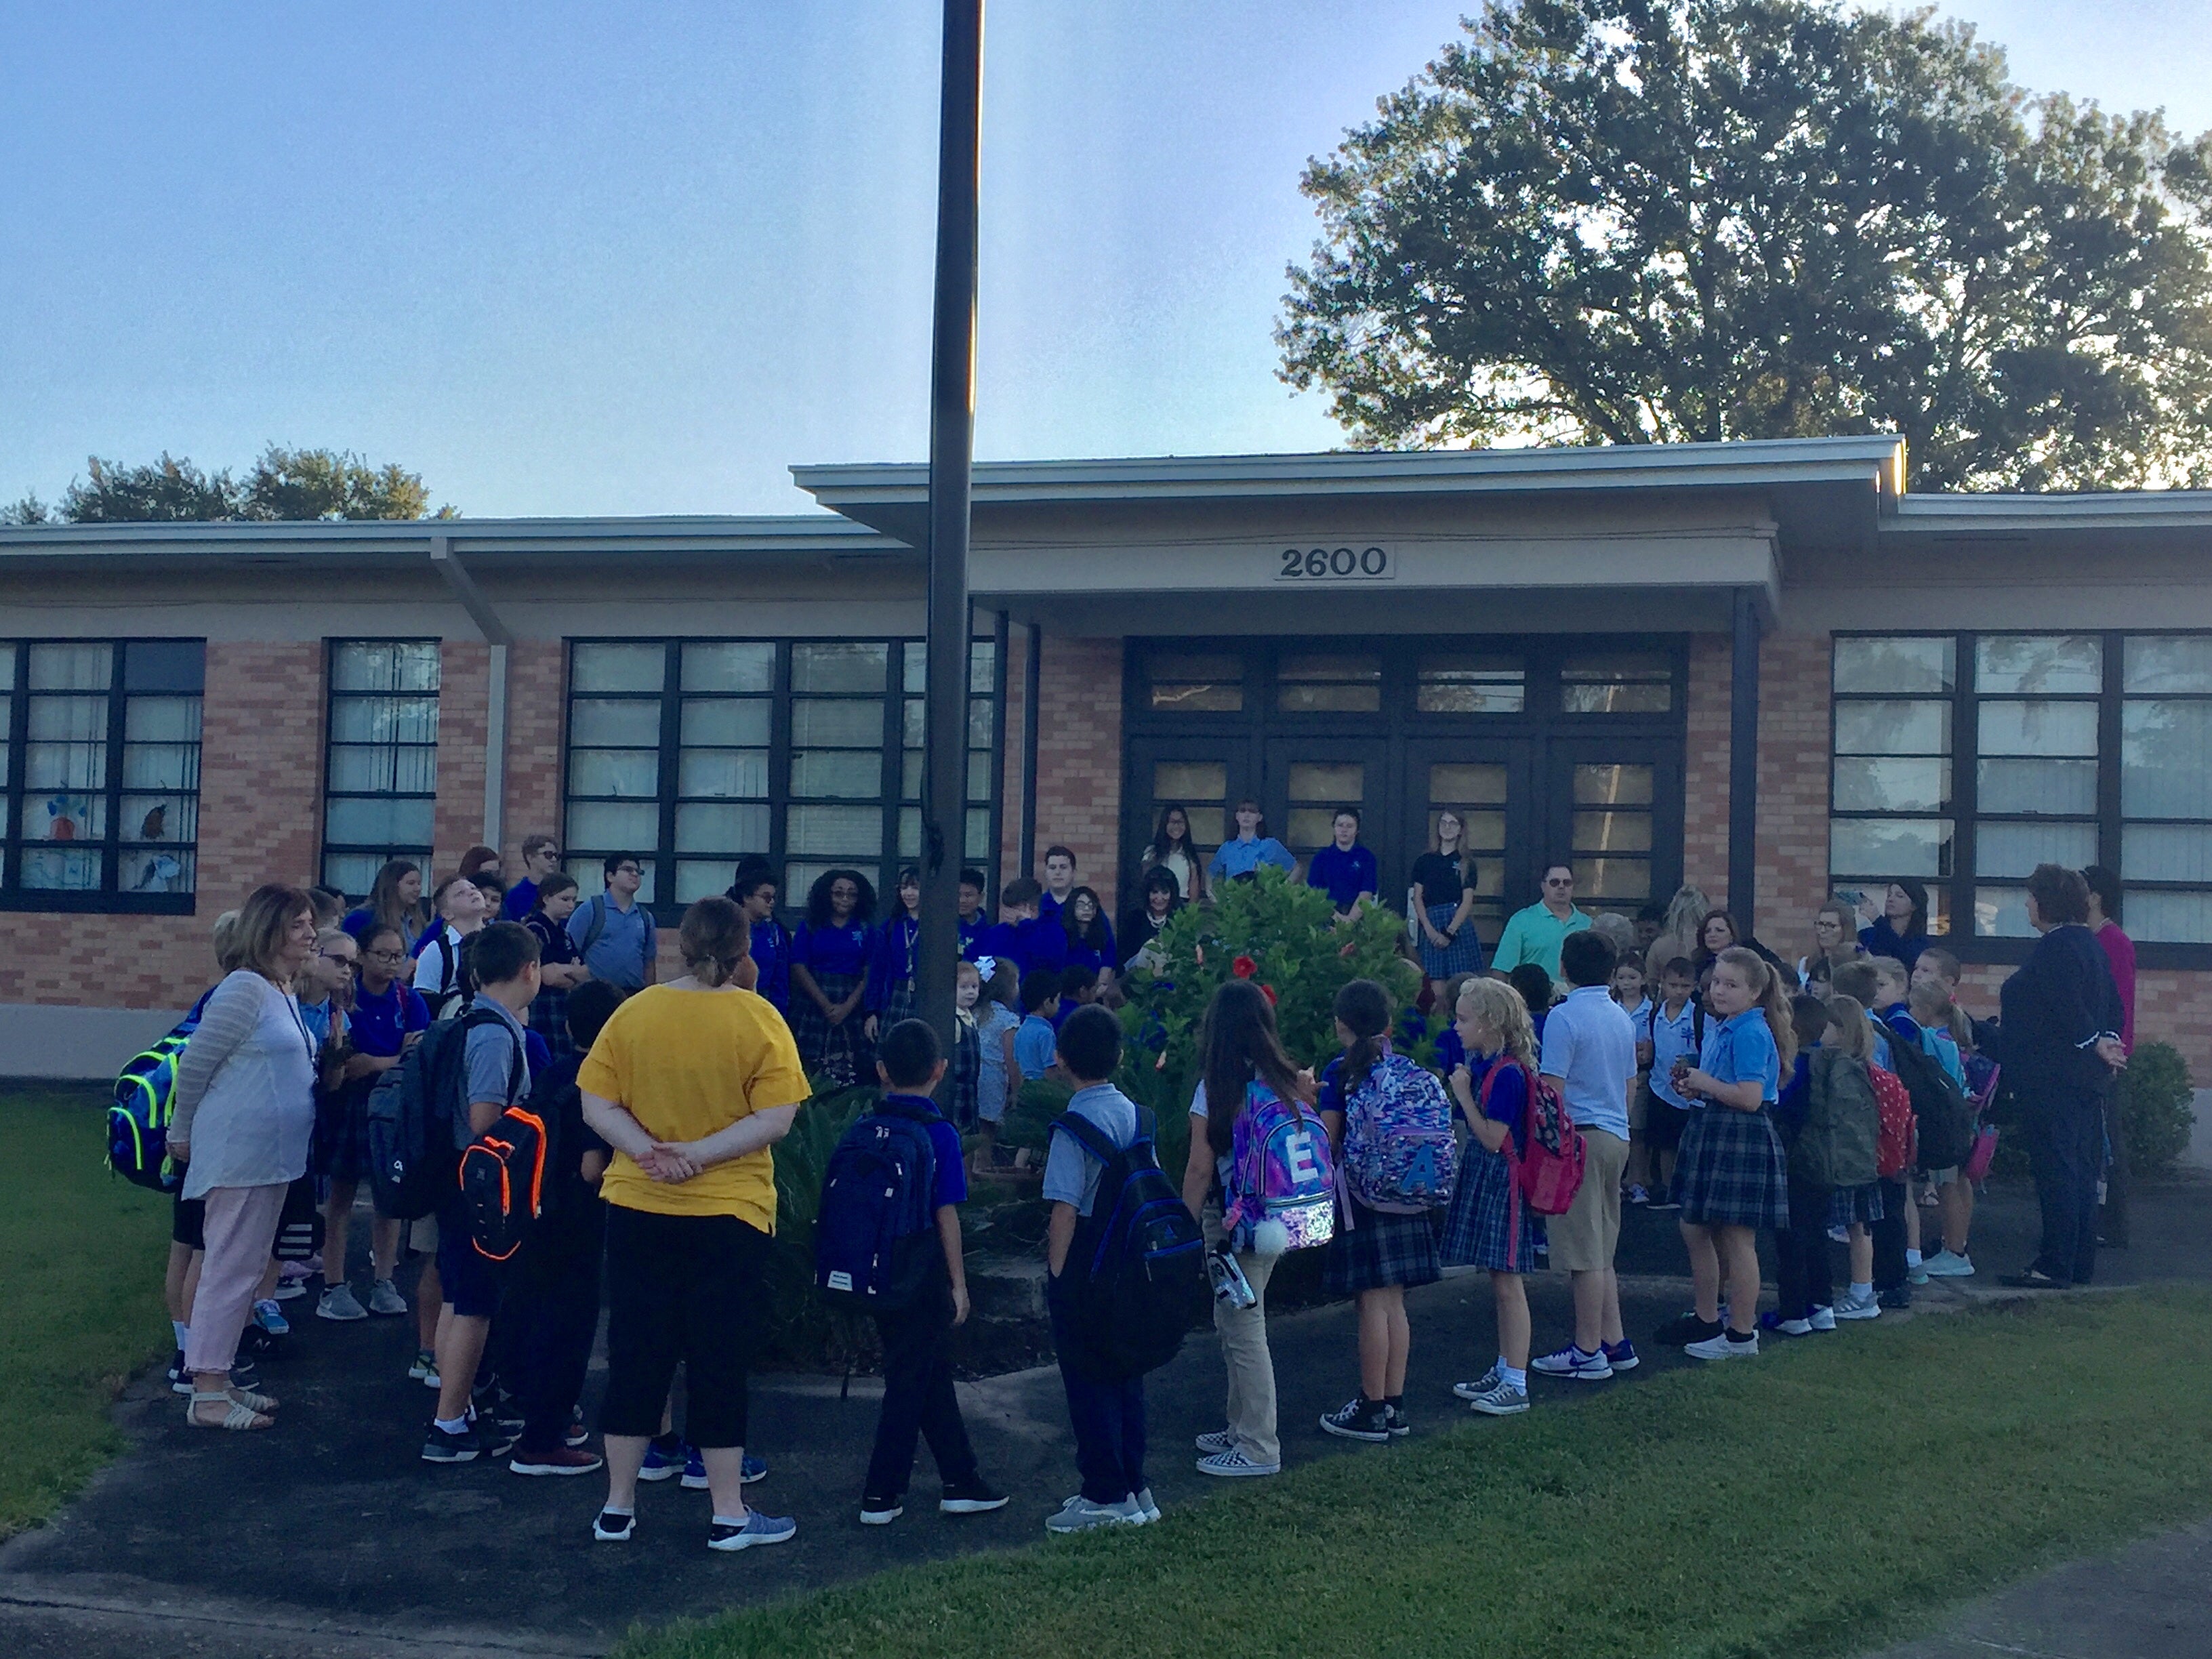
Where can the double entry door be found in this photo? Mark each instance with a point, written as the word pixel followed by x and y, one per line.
pixel 1611 807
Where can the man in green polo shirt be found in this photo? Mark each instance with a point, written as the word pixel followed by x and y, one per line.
pixel 1534 934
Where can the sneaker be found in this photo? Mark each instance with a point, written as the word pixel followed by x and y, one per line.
pixel 561 1460
pixel 1481 1386
pixel 1917 1273
pixel 576 1434
pixel 1664 1201
pixel 1501 1399
pixel 288 1289
pixel 1572 1362
pixel 271 1317
pixel 1774 1322
pixel 757 1528
pixel 452 1446
pixel 877 1511
pixel 1823 1319
pixel 1622 1355
pixel 1219 1440
pixel 180 1380
pixel 973 1498
pixel 385 1300
pixel 1680 1331
pixel 498 1438
pixel 754 1469
pixel 1079 1514
pixel 1234 1465
pixel 1640 1196
pixel 425 1369
pixel 1849 1306
pixel 1897 1297
pixel 245 1375
pixel 1145 1507
pixel 1949 1264
pixel 1400 1424
pixel 1727 1345
pixel 694 1469
pixel 664 1458
pixel 1840 1235
pixel 339 1303
pixel 1358 1419
pixel 611 1528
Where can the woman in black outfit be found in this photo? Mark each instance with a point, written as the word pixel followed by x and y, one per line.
pixel 2060 1046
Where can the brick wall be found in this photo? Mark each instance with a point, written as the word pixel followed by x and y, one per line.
pixel 2171 1005
pixel 1706 769
pixel 536 682
pixel 1078 758
pixel 464 705
pixel 1792 874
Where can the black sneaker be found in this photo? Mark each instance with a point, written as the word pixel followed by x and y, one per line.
pixel 1681 1331
pixel 452 1446
pixel 1898 1296
pixel 1400 1424
pixel 497 1438
pixel 180 1380
pixel 1359 1419
pixel 611 1528
pixel 973 1498
pixel 879 1510
pixel 246 1375
pixel 578 1435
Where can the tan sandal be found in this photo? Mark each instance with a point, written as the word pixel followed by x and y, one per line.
pixel 252 1400
pixel 240 1416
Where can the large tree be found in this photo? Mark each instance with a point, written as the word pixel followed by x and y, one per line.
pixel 1645 221
pixel 284 484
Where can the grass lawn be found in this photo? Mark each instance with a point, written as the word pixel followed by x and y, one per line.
pixel 1830 1496
pixel 80 1258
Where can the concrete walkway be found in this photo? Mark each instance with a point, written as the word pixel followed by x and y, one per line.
pixel 336 1540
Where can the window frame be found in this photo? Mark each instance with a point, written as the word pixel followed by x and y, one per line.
pixel 423 855
pixel 108 898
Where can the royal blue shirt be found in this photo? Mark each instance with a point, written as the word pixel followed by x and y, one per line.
pixel 949 1185
pixel 521 899
pixel 1035 1045
pixel 1344 875
pixel 1081 953
pixel 1509 1094
pixel 771 953
pixel 971 929
pixel 891 963
pixel 380 1024
pixel 832 949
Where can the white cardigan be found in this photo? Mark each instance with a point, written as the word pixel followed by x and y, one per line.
pixel 246 1088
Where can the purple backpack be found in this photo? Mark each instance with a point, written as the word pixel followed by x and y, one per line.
pixel 1282 1176
pixel 1400 1156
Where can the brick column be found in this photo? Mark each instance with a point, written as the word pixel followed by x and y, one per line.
pixel 1705 770
pixel 536 686
pixel 464 704
pixel 1793 786
pixel 1078 758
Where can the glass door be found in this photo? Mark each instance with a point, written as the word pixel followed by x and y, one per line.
pixel 1205 776
pixel 1307 778
pixel 1615 814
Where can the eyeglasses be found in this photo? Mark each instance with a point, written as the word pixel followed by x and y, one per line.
pixel 327 956
pixel 388 955
pixel 628 870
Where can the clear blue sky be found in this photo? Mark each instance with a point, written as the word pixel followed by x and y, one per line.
pixel 568 258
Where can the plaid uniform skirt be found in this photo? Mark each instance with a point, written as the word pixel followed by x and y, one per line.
pixel 898 1005
pixel 1480 1226
pixel 1859 1204
pixel 966 1076
pixel 1374 1250
pixel 1463 955
pixel 839 1053
pixel 341 1151
pixel 1730 1171
pixel 549 1017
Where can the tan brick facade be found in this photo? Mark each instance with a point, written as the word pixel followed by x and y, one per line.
pixel 1705 770
pixel 536 688
pixel 1079 761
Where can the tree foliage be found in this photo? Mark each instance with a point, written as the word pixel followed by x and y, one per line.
pixel 1645 221
pixel 284 484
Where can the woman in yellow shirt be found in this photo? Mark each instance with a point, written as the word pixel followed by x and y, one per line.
pixel 692 1083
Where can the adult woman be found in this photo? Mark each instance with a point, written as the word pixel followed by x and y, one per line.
pixel 692 1083
pixel 1444 903
pixel 2061 1024
pixel 1089 936
pixel 1901 929
pixel 828 973
pixel 1678 934
pixel 1835 941
pixel 1141 927
pixel 245 1114
pixel 395 900
pixel 1172 850
pixel 1242 1063
pixel 560 964
pixel 1238 858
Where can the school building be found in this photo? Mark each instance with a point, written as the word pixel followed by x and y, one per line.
pixel 1767 668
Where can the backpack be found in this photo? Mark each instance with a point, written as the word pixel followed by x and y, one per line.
pixel 503 1177
pixel 1837 1146
pixel 145 1102
pixel 1548 1152
pixel 412 1161
pixel 1283 1172
pixel 1893 1149
pixel 1939 1106
pixel 1984 1077
pixel 1400 1156
pixel 874 1243
pixel 1135 1277
pixel 595 908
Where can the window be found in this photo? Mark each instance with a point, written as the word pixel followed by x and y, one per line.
pixel 2008 751
pixel 380 778
pixel 1330 684
pixel 1611 836
pixel 692 754
pixel 101 766
pixel 1471 685
pixel 1197 683
pixel 1617 683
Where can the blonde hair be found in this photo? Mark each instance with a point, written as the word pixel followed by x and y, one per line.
pixel 1847 1017
pixel 1767 995
pixel 225 939
pixel 1933 1004
pixel 714 938
pixel 1493 1003
pixel 263 922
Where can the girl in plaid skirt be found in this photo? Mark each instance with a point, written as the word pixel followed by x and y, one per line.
pixel 828 978
pixel 1488 1226
pixel 1731 1178
pixel 891 969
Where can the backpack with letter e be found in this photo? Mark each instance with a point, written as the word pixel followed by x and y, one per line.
pixel 1548 1152
pixel 874 1242
pixel 1400 1156
pixel 145 1103
pixel 412 1111
pixel 1135 1275
pixel 1283 1174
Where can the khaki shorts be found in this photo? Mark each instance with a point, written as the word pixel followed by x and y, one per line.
pixel 1582 1239
pixel 421 1237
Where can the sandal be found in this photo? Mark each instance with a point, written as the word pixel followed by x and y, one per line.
pixel 251 1398
pixel 240 1416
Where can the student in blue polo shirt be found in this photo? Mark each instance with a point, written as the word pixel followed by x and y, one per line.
pixel 1249 848
pixel 828 973
pixel 1059 882
pixel 1020 937
pixel 973 923
pixel 1344 870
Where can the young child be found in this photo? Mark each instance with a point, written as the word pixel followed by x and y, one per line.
pixel 892 962
pixel 1801 1117
pixel 1626 988
pixel 1537 992
pixel 1033 1043
pixel 1019 937
pixel 440 954
pixel 1856 1207
pixel 999 1076
pixel 1078 988
pixel 1451 1053
pixel 1487 1225
pixel 1941 1023
pixel 1108 1419
pixel 1864 983
pixel 387 1016
pixel 1674 1026
pixel 965 1080
pixel 972 923
pixel 917 1339
pixel 1897 1025
pixel 1731 1180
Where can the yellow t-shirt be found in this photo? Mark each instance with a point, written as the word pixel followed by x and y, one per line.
pixel 685 1064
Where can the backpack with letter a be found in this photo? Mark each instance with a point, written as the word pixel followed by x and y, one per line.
pixel 1400 1154
pixel 1944 1115
pixel 873 1240
pixel 1283 1175
pixel 412 1111
pixel 1135 1275
pixel 145 1102
pixel 1548 1152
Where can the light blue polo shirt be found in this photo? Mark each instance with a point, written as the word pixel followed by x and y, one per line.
pixel 1589 1045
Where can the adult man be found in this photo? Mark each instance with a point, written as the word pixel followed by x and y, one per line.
pixel 2120 950
pixel 541 857
pixel 1058 882
pixel 1589 1057
pixel 613 931
pixel 1534 935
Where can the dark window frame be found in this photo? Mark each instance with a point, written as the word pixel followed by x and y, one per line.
pixel 421 854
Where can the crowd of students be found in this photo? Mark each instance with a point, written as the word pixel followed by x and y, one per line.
pixel 1703 1075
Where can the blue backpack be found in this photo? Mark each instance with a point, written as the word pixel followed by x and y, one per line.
pixel 1400 1156
pixel 1135 1275
pixel 145 1102
pixel 874 1243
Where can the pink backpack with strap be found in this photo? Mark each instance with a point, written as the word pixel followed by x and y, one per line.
pixel 1548 1153
pixel 1282 1176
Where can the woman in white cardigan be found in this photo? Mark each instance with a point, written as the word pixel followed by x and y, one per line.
pixel 245 1111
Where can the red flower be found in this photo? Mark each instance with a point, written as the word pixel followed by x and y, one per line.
pixel 1244 967
pixel 1268 991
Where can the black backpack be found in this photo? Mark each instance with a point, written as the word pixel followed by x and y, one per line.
pixel 502 1176
pixel 1940 1106
pixel 412 1160
pixel 874 1243
pixel 1135 1275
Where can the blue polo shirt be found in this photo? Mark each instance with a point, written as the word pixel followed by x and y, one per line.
pixel 771 954
pixel 1344 875
pixel 1739 1050
pixel 1233 858
pixel 625 945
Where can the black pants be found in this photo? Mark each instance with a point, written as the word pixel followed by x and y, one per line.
pixel 1803 1265
pixel 1108 1418
pixel 2113 1224
pixel 682 1290
pixel 918 1396
pixel 1889 1235
pixel 552 1312
pixel 2066 1149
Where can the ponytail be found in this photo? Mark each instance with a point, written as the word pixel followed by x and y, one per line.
pixel 1363 1007
pixel 1768 996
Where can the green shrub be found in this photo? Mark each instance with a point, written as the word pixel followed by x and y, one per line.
pixel 2154 1096
pixel 801 1331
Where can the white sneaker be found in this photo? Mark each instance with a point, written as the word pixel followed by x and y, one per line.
pixel 1823 1319
pixel 1234 1465
pixel 1724 1346
pixel 339 1303
pixel 1945 1264
pixel 1572 1361
pixel 1078 1514
pixel 1848 1306
pixel 1147 1510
